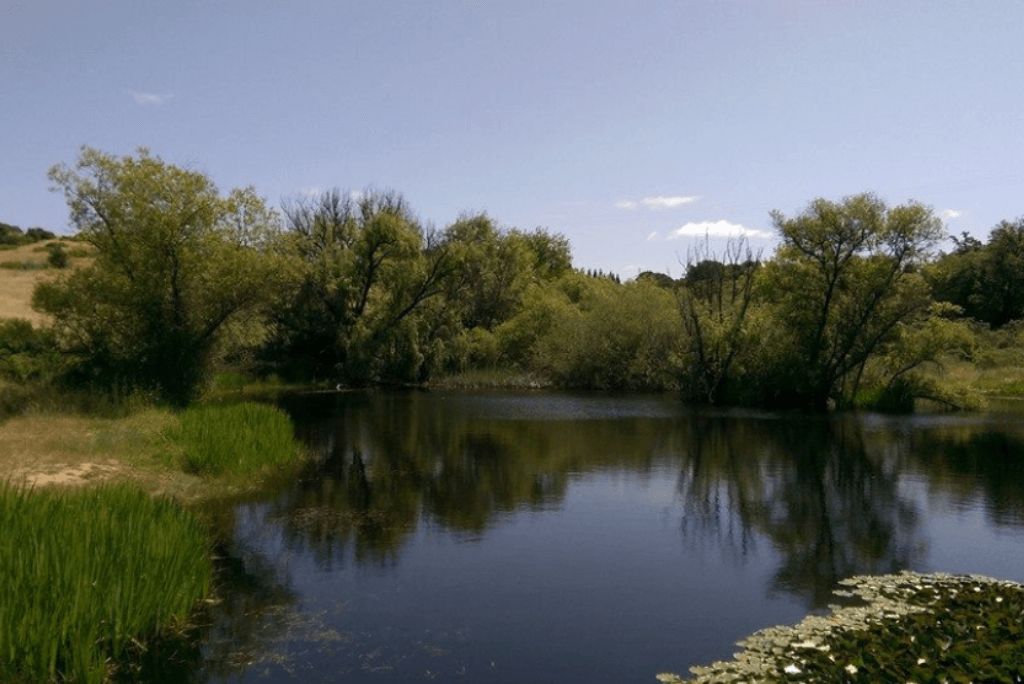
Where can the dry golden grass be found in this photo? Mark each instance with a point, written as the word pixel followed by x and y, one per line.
pixel 42 449
pixel 1005 379
pixel 16 286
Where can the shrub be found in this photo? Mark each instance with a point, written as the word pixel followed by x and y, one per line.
pixel 58 257
pixel 26 353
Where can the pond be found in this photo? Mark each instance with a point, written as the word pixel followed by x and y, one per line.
pixel 555 537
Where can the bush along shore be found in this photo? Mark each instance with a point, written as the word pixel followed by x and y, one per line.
pixel 907 628
pixel 92 577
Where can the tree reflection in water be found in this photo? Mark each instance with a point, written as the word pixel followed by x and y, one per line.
pixel 823 492
pixel 965 464
pixel 810 488
pixel 392 461
pixel 804 501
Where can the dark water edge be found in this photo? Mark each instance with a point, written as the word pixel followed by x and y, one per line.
pixel 542 536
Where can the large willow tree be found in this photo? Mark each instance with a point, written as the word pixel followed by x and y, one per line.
pixel 367 272
pixel 845 278
pixel 176 264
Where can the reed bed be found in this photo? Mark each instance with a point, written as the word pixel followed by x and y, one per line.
pixel 88 575
pixel 236 439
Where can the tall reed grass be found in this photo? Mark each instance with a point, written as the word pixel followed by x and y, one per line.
pixel 86 575
pixel 238 439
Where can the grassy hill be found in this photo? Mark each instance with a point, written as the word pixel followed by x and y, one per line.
pixel 23 267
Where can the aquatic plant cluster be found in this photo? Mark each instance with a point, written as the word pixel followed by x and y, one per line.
pixel 907 628
pixel 238 439
pixel 87 576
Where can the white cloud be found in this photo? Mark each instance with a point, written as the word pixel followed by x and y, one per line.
pixel 717 229
pixel 149 98
pixel 652 237
pixel 951 214
pixel 656 202
pixel 667 202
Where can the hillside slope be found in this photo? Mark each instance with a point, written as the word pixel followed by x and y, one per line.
pixel 17 283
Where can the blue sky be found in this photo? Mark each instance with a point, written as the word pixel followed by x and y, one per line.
pixel 633 128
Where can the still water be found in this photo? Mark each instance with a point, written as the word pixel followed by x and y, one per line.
pixel 551 537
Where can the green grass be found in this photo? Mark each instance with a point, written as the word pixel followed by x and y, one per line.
pixel 490 378
pixel 234 386
pixel 234 439
pixel 88 575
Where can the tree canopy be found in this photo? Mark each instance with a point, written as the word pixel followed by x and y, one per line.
pixel 175 264
pixel 352 288
pixel 986 280
pixel 843 280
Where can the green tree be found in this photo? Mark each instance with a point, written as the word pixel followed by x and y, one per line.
pixel 985 280
pixel 609 336
pixel 1001 289
pixel 11 235
pixel 844 277
pixel 957 277
pixel 175 264
pixel 368 268
pixel 497 266
pixel 715 301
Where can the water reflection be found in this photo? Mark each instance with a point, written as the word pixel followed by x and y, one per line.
pixel 606 507
pixel 971 464
pixel 810 488
pixel 391 461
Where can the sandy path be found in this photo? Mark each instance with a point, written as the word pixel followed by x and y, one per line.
pixel 43 451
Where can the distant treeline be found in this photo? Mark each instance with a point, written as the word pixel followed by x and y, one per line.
pixel 353 289
pixel 13 235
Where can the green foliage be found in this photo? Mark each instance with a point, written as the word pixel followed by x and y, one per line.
pixel 88 575
pixel 39 234
pixel 175 263
pixel 620 337
pixel 14 399
pixel 237 439
pixel 364 265
pixel 929 629
pixel 14 236
pixel 842 281
pixel 659 279
pixel 496 267
pixel 985 280
pixel 895 378
pixel 715 302
pixel 11 235
pixel 971 631
pixel 381 299
pixel 27 354
pixel 58 256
